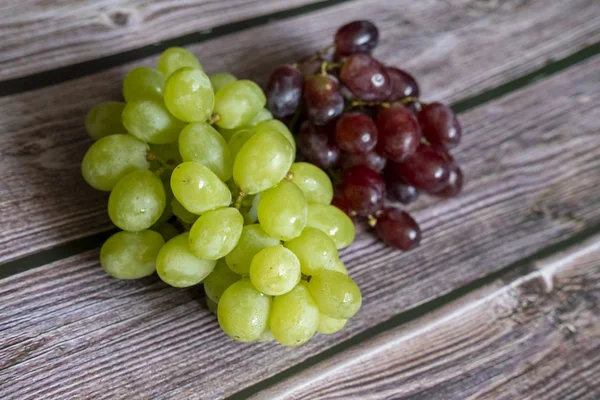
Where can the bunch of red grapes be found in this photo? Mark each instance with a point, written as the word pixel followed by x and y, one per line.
pixel 363 122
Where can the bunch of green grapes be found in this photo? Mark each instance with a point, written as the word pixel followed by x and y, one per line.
pixel 204 187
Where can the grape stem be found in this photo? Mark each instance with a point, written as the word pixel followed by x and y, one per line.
pixel 289 176
pixel 360 103
pixel 328 66
pixel 410 99
pixel 317 55
pixel 386 104
pixel 150 156
pixel 372 221
pixel 239 199
pixel 214 119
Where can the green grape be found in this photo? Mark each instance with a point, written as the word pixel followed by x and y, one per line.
pixel 111 158
pixel 294 316
pixel 180 212
pixel 169 153
pixel 262 162
pixel 104 119
pixel 336 294
pixel 174 58
pixel 315 250
pixel 137 201
pixel 313 181
pixel 252 240
pixel 212 306
pixel 131 255
pixel 151 122
pixel 275 270
pixel 237 103
pixel 339 267
pixel 243 311
pixel 216 233
pixel 334 222
pixel 221 79
pixel 278 126
pixel 201 143
pixel 219 279
pixel 328 325
pixel 143 83
pixel 198 189
pixel 238 140
pixel 166 230
pixel 266 336
pixel 178 266
pixel 263 115
pixel 189 95
pixel 282 211
pixel 253 210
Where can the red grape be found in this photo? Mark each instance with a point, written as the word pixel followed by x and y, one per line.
pixel 356 133
pixel 284 91
pixel 323 98
pixel 317 148
pixel 356 37
pixel 426 169
pixel 341 202
pixel 366 78
pixel 454 183
pixel 372 160
pixel 364 189
pixel 440 126
pixel 399 132
pixel 403 84
pixel 397 189
pixel 398 229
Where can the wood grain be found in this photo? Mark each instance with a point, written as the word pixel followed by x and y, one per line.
pixel 531 161
pixel 40 35
pixel 537 337
pixel 44 141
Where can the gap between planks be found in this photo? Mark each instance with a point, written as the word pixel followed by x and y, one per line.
pixel 72 331
pixel 472 333
pixel 43 145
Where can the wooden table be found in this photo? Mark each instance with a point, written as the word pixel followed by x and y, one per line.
pixel 501 300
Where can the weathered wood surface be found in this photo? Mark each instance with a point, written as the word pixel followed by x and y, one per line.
pixel 44 140
pixel 40 35
pixel 531 161
pixel 537 337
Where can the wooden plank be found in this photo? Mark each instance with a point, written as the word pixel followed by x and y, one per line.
pixel 38 36
pixel 68 330
pixel 43 132
pixel 537 337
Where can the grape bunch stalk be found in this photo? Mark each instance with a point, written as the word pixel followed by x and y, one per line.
pixel 365 124
pixel 204 188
